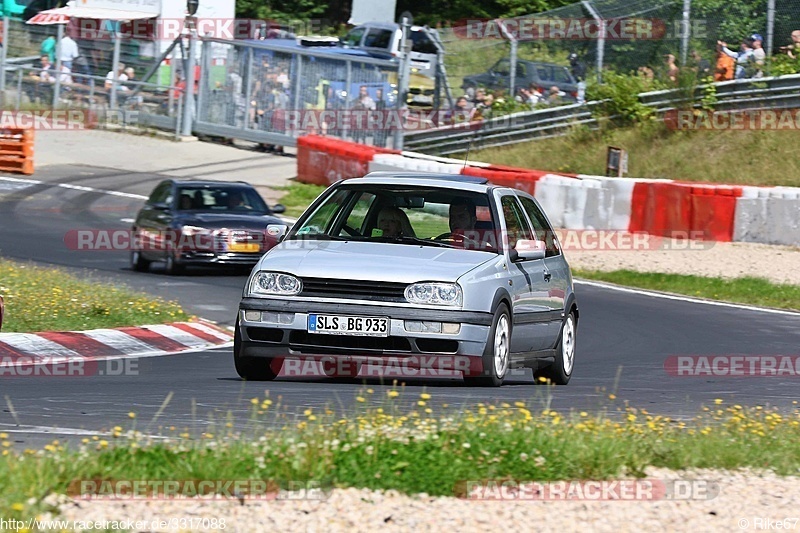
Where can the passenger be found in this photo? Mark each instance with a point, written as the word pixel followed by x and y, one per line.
pixel 393 222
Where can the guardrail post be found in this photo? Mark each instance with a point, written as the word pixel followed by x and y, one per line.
pixel 770 25
pixel 188 110
pixel 115 68
pixel 402 82
pixel 601 37
pixel 57 84
pixel 3 56
pixel 685 30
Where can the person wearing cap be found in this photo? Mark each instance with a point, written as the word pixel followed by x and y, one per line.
pixel 759 55
pixel 578 68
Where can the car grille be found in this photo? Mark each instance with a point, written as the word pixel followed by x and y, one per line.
pixel 354 289
pixel 222 239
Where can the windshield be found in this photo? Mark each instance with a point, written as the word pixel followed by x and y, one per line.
pixel 402 215
pixel 222 199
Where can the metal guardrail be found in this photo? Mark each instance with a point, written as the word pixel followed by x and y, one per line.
pixel 738 95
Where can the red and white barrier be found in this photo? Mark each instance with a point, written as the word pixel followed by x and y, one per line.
pixel 658 207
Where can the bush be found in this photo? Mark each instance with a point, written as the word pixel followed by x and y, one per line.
pixel 619 97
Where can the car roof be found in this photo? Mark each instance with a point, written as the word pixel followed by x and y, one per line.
pixel 386 26
pixel 210 183
pixel 425 179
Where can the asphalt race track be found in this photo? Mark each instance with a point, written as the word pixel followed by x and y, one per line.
pixel 623 338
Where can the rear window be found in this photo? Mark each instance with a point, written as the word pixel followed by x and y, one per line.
pixel 354 37
pixel 378 39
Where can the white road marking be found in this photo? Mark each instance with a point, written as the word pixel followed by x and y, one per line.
pixel 177 335
pixel 210 331
pixel 76 188
pixel 689 299
pixel 120 341
pixel 35 345
pixel 128 220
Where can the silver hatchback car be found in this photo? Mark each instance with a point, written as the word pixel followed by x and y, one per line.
pixel 425 269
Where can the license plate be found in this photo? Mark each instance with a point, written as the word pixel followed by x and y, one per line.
pixel 244 247
pixel 349 325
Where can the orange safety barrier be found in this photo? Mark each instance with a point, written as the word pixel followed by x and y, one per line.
pixel 325 160
pixel 16 150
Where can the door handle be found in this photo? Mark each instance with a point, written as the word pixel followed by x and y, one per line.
pixel 547 275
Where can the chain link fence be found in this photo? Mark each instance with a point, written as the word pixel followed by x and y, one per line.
pixel 639 37
pixel 274 92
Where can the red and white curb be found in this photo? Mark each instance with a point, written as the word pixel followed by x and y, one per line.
pixel 19 349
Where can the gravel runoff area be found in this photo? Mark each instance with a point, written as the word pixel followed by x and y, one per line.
pixel 745 501
pixel 780 264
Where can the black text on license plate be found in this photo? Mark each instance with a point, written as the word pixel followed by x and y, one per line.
pixel 349 325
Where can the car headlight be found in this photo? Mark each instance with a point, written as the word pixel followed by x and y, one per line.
pixel 194 230
pixel 275 283
pixel 434 294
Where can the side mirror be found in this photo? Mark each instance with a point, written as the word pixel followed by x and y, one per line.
pixel 278 209
pixel 277 231
pixel 529 250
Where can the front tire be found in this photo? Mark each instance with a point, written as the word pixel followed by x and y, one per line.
pixel 250 368
pixel 560 371
pixel 172 266
pixel 497 354
pixel 139 263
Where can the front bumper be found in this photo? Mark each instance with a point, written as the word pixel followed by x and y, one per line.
pixel 291 338
pixel 224 258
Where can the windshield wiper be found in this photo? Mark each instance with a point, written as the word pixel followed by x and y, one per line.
pixel 423 242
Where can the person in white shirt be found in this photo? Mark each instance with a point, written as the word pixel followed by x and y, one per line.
pixel 121 77
pixel 68 51
pixel 759 55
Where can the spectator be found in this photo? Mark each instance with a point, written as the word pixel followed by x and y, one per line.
pixel 646 73
pixel 701 66
pixel 794 47
pixel 121 77
pixel 48 48
pixel 725 67
pixel 40 87
pixel 527 96
pixel 554 98
pixel 743 58
pixel 69 51
pixel 380 107
pixel 480 96
pixel 759 55
pixel 462 111
pixel 672 69
pixel 578 67
pixel 362 104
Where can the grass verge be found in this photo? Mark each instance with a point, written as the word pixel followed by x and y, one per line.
pixel 298 196
pixel 734 157
pixel 399 443
pixel 49 299
pixel 746 290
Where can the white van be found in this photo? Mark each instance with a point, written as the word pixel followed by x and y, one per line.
pixel 383 40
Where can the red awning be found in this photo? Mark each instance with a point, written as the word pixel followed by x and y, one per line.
pixel 62 15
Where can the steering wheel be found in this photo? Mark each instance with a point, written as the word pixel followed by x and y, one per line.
pixel 457 237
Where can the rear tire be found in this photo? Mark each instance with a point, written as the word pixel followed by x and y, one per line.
pixel 561 370
pixel 250 368
pixel 497 354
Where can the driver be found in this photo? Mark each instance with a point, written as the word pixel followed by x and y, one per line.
pixel 462 216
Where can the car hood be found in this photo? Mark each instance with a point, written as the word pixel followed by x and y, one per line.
pixel 228 220
pixel 399 263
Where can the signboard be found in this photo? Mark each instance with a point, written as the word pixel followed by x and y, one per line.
pixel 372 11
pixel 144 6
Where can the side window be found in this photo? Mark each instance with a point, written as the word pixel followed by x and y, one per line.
pixel 543 230
pixel 378 39
pixel 543 73
pixel 522 70
pixel 502 67
pixel 516 224
pixel 161 194
pixel 359 213
pixel 561 75
pixel 354 37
